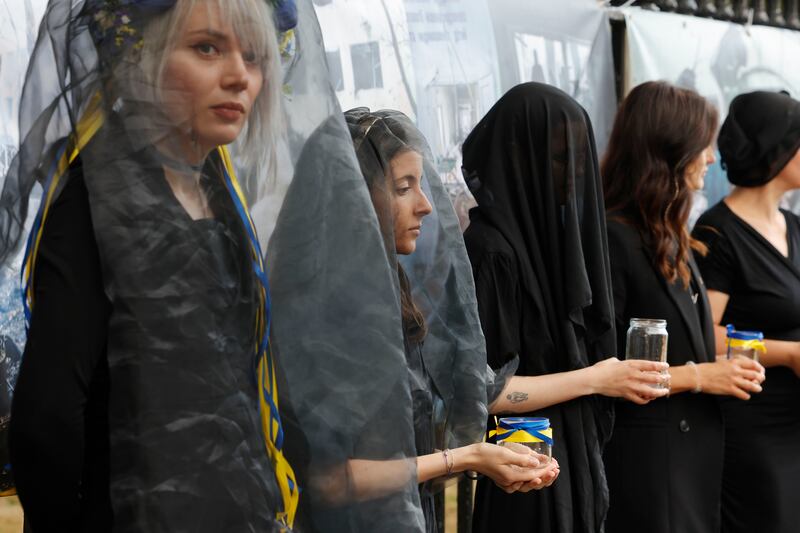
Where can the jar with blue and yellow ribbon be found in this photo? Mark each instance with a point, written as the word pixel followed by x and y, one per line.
pixel 745 343
pixel 533 432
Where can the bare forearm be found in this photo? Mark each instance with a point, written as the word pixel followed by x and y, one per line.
pixel 433 465
pixel 529 393
pixel 779 353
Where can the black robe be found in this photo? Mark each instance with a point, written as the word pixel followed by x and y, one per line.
pixel 538 247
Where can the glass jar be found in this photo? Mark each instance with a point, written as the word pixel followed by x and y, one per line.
pixel 745 343
pixel 533 432
pixel 647 339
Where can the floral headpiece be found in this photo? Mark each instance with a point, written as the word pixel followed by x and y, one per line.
pixel 116 25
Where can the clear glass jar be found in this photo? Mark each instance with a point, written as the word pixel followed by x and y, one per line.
pixel 647 339
pixel 533 432
pixel 745 343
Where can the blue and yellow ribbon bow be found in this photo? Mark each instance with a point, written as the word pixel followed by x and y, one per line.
pixel 523 430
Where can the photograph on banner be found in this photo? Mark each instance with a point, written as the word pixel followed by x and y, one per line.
pixel 717 59
pixel 444 63
pixel 19 24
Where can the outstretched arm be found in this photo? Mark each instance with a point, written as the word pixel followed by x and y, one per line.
pixel 631 380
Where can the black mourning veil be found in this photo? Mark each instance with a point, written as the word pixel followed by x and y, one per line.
pixel 189 449
pixel 532 167
pixel 445 350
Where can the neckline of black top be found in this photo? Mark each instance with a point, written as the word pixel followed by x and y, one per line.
pixel 763 240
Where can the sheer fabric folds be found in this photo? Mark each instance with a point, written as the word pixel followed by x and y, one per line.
pixel 191 300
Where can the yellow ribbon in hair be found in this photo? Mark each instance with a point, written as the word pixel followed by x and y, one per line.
pixel 89 124
pixel 267 381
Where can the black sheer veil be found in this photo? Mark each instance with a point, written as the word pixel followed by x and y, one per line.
pixel 438 279
pixel 186 292
pixel 532 166
pixel 344 392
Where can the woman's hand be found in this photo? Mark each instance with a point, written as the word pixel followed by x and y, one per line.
pixel 510 469
pixel 547 472
pixel 632 379
pixel 733 377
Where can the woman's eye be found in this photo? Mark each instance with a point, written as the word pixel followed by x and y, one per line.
pixel 206 49
pixel 403 190
pixel 250 57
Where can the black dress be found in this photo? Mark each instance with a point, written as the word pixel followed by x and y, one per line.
pixel 429 414
pixel 664 459
pixel 148 420
pixel 538 248
pixel 64 487
pixel 762 436
pixel 510 321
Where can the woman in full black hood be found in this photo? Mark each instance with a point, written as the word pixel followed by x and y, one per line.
pixel 538 247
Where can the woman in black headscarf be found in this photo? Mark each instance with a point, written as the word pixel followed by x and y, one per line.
pixel 752 272
pixel 537 244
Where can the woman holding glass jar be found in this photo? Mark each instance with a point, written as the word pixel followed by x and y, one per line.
pixel 658 154
pixel 537 246
pixel 753 276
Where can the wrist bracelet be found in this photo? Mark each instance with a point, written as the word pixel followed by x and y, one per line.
pixel 449 461
pixel 698 387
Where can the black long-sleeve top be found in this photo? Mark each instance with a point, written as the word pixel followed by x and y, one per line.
pixel 59 426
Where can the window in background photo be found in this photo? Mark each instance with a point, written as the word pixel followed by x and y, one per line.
pixel 366 60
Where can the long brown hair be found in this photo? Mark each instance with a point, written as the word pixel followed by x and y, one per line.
pixel 381 139
pixel 658 131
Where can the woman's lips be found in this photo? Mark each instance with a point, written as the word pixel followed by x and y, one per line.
pixel 229 111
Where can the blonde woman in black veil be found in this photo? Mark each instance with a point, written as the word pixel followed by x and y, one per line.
pixel 146 400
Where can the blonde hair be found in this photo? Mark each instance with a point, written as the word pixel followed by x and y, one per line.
pixel 253 23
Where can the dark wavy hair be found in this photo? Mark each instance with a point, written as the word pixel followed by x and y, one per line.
pixel 658 131
pixel 382 138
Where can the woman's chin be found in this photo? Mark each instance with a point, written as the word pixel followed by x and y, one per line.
pixel 406 248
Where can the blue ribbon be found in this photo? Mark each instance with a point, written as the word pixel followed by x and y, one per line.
pixel 534 426
pixel 261 275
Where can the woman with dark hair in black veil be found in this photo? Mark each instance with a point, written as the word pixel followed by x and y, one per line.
pixel 452 389
pixel 538 248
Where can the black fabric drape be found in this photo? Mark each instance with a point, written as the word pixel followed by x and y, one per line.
pixel 531 164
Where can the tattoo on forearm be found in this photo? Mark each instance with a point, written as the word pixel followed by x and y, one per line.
pixel 517 397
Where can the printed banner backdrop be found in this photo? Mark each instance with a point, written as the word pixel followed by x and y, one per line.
pixel 442 62
pixel 717 59
pixel 19 24
pixel 445 62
